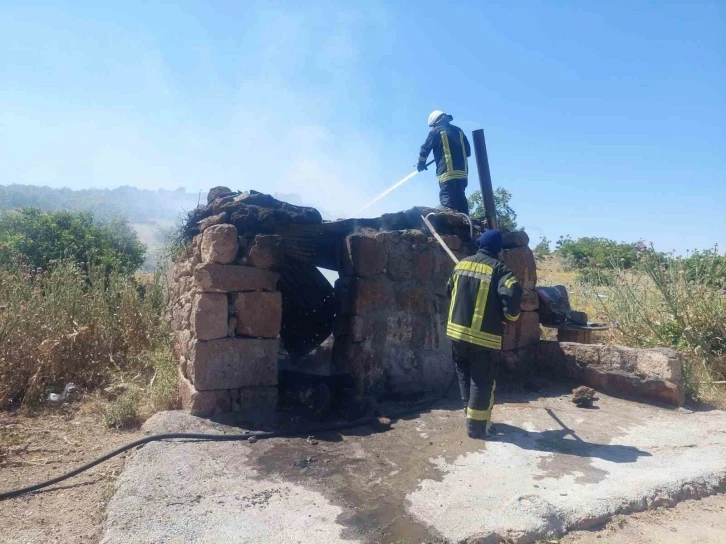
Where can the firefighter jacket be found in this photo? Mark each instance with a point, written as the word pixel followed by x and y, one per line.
pixel 484 294
pixel 451 149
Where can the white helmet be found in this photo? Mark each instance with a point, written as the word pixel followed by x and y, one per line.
pixel 434 116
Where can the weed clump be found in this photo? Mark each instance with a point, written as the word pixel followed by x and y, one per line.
pixel 82 323
pixel 673 301
pixel 124 411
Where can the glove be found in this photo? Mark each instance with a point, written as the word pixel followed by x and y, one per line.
pixel 421 166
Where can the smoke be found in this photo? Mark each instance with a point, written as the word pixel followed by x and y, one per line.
pixel 278 115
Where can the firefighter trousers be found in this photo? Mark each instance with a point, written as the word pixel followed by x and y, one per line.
pixel 452 195
pixel 476 368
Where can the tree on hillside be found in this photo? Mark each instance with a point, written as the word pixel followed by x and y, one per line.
pixel 542 249
pixel 138 205
pixel 597 252
pixel 506 216
pixel 707 267
pixel 40 237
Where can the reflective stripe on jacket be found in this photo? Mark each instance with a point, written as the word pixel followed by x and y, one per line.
pixel 484 293
pixel 451 149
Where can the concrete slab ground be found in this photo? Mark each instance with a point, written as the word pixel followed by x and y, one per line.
pixel 553 468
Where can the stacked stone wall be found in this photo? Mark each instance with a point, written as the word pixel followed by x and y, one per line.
pixel 226 314
pixel 390 316
pixel 391 326
pixel 521 337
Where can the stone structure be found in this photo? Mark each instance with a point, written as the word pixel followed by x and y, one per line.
pixel 241 301
pixel 246 294
pixel 521 337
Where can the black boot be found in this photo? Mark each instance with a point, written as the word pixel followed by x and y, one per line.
pixel 476 429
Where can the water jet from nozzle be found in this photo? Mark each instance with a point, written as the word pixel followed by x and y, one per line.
pixel 391 189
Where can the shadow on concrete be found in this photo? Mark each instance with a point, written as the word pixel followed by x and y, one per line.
pixel 557 441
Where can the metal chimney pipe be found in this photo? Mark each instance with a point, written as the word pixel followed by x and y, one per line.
pixel 485 178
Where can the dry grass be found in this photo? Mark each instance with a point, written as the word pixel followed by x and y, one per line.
pixel 89 327
pixel 549 273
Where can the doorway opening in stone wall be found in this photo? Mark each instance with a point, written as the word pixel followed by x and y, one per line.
pixel 310 384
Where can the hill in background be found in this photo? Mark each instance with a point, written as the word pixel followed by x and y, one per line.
pixel 136 205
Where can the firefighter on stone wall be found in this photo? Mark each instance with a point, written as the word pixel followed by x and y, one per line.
pixel 451 152
pixel 484 296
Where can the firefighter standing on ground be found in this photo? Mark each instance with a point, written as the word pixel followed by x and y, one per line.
pixel 484 294
pixel 451 151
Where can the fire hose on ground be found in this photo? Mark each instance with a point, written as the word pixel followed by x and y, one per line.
pixel 372 420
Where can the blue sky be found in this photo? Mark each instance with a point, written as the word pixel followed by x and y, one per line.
pixel 602 118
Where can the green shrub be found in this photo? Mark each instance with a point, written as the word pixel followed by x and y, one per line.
pixel 164 394
pixel 542 249
pixel 152 389
pixel 506 216
pixel 123 412
pixel 599 252
pixel 568 264
pixel 706 266
pixel 42 238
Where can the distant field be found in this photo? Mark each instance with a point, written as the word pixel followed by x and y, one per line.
pixel 550 272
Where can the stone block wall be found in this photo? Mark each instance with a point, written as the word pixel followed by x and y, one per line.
pixel 226 313
pixel 390 332
pixel 521 337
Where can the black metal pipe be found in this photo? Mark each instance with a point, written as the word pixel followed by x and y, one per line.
pixel 485 178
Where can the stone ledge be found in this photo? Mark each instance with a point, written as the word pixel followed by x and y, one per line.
pixel 266 251
pixel 649 374
pixel 219 244
pixel 364 256
pixel 202 403
pixel 259 314
pixel 530 301
pixel 522 333
pixel 209 316
pixel 520 260
pixel 515 238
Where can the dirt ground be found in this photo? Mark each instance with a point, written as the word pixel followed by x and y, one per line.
pixel 37 447
pixel 40 446
pixel 689 522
